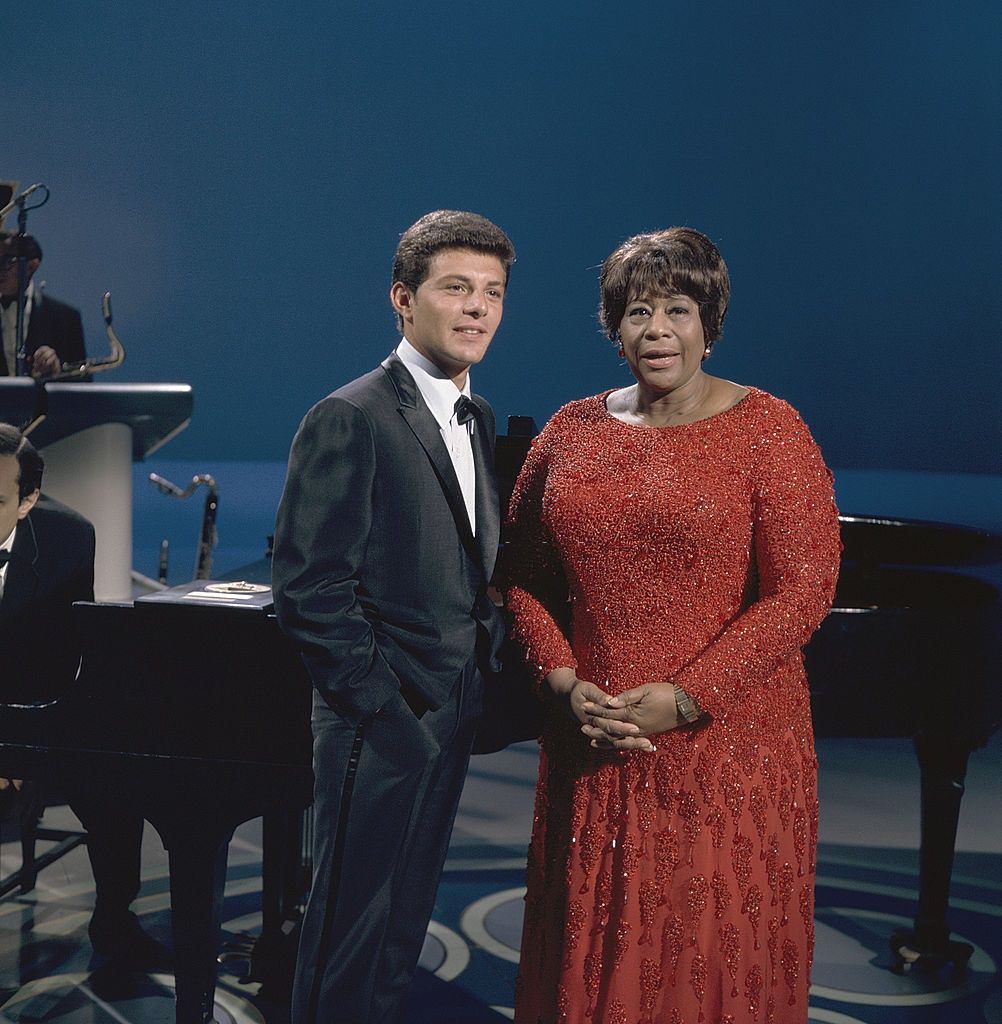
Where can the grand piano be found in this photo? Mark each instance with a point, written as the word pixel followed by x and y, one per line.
pixel 198 716
pixel 913 647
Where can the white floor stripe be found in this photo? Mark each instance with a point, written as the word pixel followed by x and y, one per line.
pixel 457 953
pixel 482 864
pixel 912 872
pixel 243 844
pixel 474 916
pixel 107 1007
pixel 830 1016
pixel 899 892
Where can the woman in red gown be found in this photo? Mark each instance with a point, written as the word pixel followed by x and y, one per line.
pixel 674 545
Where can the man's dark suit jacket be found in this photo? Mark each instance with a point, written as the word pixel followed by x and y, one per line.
pixel 376 571
pixel 57 325
pixel 51 566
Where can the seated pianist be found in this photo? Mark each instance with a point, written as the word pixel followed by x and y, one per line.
pixel 47 563
pixel 53 330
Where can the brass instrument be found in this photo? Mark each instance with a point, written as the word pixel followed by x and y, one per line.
pixel 75 371
pixel 207 537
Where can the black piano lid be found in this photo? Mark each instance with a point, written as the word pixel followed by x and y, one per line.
pixel 206 594
pixel 886 540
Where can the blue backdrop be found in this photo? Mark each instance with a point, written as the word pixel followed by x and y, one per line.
pixel 237 175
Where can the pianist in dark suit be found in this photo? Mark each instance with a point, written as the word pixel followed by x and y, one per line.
pixel 47 563
pixel 54 330
pixel 386 538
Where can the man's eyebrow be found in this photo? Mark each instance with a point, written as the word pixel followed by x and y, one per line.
pixel 457 276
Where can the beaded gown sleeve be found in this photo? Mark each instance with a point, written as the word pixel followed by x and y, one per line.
pixel 796 565
pixel 537 593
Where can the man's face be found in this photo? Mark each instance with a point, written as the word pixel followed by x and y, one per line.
pixel 452 316
pixel 8 275
pixel 12 508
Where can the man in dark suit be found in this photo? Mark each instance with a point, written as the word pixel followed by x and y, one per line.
pixel 54 330
pixel 47 563
pixel 386 539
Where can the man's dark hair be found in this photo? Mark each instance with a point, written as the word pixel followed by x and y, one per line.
pixel 30 462
pixel 28 245
pixel 446 229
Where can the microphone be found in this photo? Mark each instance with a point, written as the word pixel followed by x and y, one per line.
pixel 20 199
pixel 27 192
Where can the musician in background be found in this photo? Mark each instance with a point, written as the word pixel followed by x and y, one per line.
pixel 47 563
pixel 53 330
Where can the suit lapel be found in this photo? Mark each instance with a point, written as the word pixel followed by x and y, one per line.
pixel 487 511
pixel 22 578
pixel 425 429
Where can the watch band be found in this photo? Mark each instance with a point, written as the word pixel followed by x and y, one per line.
pixel 687 707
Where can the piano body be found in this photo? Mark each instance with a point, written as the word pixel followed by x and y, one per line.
pixel 198 718
pixel 913 647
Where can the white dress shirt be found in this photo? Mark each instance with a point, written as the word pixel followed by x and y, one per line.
pixel 8 323
pixel 441 395
pixel 8 545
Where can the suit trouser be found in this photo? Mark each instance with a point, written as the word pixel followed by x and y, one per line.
pixel 385 800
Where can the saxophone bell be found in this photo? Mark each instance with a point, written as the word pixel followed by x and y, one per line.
pixel 115 357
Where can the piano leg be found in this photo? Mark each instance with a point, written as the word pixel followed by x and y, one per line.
pixel 273 956
pixel 197 877
pixel 927 946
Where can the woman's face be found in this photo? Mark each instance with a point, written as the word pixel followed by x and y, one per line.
pixel 662 338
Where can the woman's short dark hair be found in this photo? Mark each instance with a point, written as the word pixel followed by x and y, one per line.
pixel 30 463
pixel 447 229
pixel 676 261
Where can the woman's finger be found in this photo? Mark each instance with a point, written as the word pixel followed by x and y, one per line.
pixel 614 728
pixel 600 711
pixel 633 696
pixel 626 744
pixel 598 729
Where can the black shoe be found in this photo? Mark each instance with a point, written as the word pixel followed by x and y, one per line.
pixel 120 938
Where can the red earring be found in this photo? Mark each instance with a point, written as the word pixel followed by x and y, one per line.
pixel 622 352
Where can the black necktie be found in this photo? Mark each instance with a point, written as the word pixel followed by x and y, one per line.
pixel 4 558
pixel 465 409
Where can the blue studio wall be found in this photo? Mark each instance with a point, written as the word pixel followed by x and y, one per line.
pixel 237 175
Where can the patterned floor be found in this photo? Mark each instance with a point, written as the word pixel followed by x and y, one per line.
pixel 867 876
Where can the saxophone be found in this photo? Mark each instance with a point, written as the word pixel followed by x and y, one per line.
pixel 207 536
pixel 116 356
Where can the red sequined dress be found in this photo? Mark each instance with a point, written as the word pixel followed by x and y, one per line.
pixel 674 887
